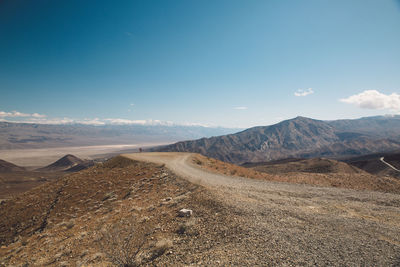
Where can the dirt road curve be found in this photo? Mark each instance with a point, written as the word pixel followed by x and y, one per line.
pixel 389 165
pixel 289 224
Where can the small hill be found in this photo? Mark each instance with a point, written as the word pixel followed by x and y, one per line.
pixel 315 165
pixel 68 163
pixel 6 166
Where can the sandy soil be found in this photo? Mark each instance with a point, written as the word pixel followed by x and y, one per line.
pixel 291 224
pixel 75 220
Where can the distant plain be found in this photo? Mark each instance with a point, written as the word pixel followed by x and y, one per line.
pixel 33 158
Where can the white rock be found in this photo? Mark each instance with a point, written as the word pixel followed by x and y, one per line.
pixel 185 213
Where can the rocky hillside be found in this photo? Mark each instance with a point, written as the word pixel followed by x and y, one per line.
pixel 120 213
pixel 299 137
pixel 130 213
pixel 382 126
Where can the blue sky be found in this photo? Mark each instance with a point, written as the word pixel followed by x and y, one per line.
pixel 228 63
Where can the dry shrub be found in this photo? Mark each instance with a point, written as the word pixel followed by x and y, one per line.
pixel 161 247
pixel 187 228
pixel 198 162
pixel 123 242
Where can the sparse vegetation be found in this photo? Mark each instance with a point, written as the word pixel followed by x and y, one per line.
pixel 118 162
pixel 124 241
pixel 187 227
pixel 161 247
pixel 274 224
pixel 72 234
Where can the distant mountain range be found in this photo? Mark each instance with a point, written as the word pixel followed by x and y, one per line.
pixel 299 138
pixel 28 135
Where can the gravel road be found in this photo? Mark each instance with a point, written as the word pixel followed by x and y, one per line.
pixel 292 224
pixel 388 164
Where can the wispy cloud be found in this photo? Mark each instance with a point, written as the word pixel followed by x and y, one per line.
pixel 17 114
pixel 373 99
pixel 240 108
pixel 304 92
pixel 55 121
pixel 131 104
pixel 37 115
pixel 19 117
pixel 95 121
pixel 117 121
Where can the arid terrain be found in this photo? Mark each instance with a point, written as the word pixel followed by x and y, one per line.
pixel 199 133
pixel 94 216
pixel 15 179
pixel 321 172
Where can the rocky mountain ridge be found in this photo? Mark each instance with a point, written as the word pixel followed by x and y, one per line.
pixel 299 137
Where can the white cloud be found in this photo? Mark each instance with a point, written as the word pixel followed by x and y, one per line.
pixel 304 92
pixel 240 108
pixel 372 99
pixel 16 114
pixel 43 121
pixel 95 121
pixel 37 115
pixel 132 105
pixel 194 124
pixel 117 121
pixel 36 118
pixel 125 121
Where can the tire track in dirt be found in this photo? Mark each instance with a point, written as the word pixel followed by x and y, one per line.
pixel 298 224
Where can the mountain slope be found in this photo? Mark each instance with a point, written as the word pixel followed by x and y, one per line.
pixel 6 166
pixel 382 126
pixel 299 137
